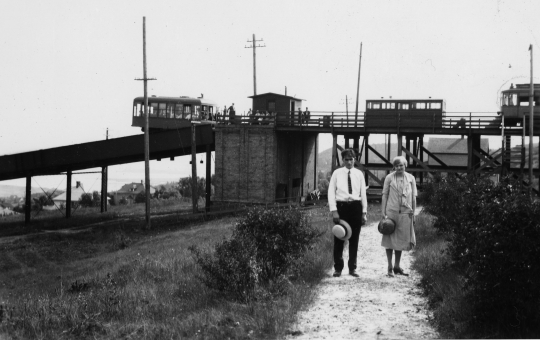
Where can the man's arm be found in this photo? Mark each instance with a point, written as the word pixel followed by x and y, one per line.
pixel 332 197
pixel 363 197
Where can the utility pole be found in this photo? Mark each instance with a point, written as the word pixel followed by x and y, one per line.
pixel 358 86
pixel 531 125
pixel 146 132
pixel 254 46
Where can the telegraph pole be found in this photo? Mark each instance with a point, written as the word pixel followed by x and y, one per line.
pixel 531 124
pixel 146 132
pixel 254 46
pixel 358 86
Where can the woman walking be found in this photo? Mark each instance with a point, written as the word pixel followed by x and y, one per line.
pixel 398 203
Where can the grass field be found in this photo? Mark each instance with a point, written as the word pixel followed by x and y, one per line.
pixel 115 280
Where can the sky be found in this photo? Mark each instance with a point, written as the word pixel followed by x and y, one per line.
pixel 68 68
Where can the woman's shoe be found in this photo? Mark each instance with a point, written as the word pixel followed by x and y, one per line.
pixel 399 271
pixel 390 272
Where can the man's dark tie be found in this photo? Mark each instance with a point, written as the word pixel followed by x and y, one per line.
pixel 349 181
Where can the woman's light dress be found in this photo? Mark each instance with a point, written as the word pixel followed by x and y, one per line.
pixel 400 191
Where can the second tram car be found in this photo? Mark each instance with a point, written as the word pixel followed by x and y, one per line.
pixel 515 103
pixel 392 113
pixel 173 112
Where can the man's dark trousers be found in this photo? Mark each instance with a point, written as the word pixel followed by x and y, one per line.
pixel 350 212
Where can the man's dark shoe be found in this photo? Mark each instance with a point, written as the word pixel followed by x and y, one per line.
pixel 353 273
pixel 337 273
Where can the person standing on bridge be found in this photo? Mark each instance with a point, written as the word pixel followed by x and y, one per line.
pixel 348 201
pixel 232 114
pixel 398 203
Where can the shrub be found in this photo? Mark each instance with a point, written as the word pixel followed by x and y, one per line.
pixel 232 267
pixel 281 237
pixel 493 232
pixel 264 246
pixel 141 197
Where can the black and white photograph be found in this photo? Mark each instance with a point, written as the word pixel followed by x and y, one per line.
pixel 356 169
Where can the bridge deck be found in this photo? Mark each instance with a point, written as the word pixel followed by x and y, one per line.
pixel 452 124
pixel 115 151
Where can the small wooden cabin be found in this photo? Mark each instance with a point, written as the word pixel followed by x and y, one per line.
pixel 284 107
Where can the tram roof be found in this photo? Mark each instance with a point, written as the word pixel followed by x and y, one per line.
pixel 186 100
pixel 522 88
pixel 274 94
pixel 405 100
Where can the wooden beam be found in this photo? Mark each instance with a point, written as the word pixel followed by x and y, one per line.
pixel 369 173
pixel 422 164
pixel 380 156
pixel 28 200
pixel 433 156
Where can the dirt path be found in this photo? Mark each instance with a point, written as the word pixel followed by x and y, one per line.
pixel 372 306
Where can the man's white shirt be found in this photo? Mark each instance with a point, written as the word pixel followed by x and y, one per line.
pixel 338 189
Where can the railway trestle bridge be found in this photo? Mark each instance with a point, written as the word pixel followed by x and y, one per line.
pixel 274 158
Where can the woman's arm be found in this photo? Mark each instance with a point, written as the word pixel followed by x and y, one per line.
pixel 385 193
pixel 413 197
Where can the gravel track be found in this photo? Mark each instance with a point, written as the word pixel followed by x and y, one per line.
pixel 372 306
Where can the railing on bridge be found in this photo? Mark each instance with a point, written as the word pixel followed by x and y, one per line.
pixel 451 120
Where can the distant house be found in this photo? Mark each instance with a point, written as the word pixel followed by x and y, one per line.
pixel 6 211
pixel 76 193
pixel 452 151
pixel 130 191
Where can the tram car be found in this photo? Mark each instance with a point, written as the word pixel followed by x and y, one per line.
pixel 515 103
pixel 390 113
pixel 173 112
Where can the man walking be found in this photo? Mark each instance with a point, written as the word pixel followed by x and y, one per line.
pixel 348 201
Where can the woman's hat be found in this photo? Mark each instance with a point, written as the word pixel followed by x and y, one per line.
pixel 342 230
pixel 387 226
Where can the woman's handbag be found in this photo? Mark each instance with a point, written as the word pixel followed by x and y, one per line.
pixel 387 226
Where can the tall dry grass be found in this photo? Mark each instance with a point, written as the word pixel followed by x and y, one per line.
pixel 148 289
pixel 443 285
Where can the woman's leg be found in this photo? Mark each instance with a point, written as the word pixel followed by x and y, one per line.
pixel 389 258
pixel 398 258
pixel 397 268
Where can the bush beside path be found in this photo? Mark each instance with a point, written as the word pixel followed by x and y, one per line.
pixel 371 306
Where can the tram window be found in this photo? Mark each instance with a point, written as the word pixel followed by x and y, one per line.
pixel 187 111
pixel 435 106
pixel 369 105
pixel 210 109
pixel 170 113
pixel 153 109
pixel 197 112
pixel 403 106
pixel 383 106
pixel 178 109
pixel 391 106
pixel 420 106
pixel 162 110
pixel 376 106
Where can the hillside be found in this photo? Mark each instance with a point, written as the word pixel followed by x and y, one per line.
pixel 9 190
